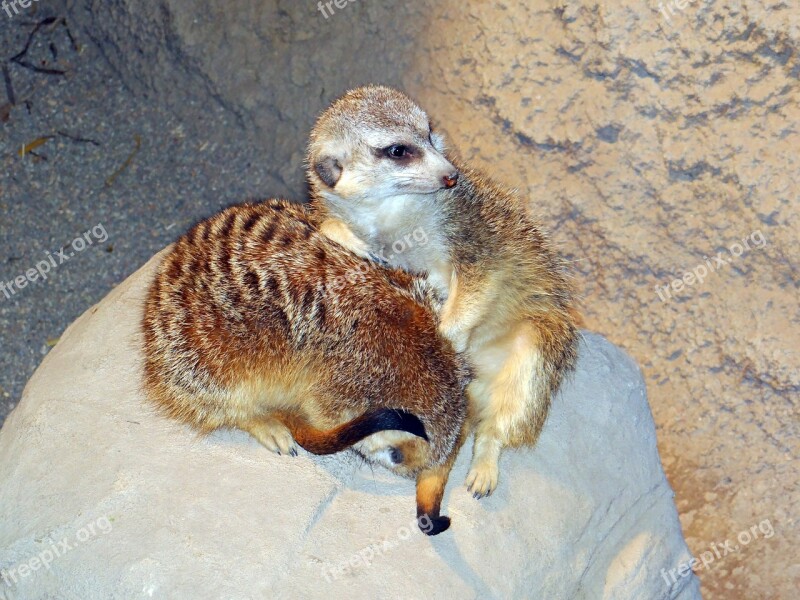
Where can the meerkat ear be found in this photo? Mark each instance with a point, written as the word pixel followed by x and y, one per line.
pixel 329 170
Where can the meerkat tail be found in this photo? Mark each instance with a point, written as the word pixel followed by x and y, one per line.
pixel 430 491
pixel 344 436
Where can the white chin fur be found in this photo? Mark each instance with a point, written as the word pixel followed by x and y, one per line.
pixel 383 458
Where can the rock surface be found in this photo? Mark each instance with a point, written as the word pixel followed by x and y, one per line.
pixel 651 136
pixel 122 503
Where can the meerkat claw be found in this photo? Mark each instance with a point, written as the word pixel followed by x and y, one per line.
pixel 482 479
pixel 274 436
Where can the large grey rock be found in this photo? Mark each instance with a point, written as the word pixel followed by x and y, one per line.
pixel 122 503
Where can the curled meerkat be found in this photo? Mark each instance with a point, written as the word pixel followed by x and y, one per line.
pixel 257 321
pixel 378 171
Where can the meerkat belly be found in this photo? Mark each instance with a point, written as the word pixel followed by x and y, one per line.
pixel 505 367
pixel 488 359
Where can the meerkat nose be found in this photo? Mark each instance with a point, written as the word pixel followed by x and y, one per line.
pixel 450 180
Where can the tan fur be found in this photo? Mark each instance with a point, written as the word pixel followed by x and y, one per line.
pixel 258 321
pixel 508 299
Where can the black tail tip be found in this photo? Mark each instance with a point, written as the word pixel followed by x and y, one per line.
pixel 433 525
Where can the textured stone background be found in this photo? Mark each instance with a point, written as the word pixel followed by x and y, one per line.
pixel 647 142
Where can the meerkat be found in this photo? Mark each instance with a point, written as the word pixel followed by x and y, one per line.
pixel 377 171
pixel 257 321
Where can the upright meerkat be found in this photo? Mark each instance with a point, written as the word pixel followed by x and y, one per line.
pixel 257 321
pixel 377 171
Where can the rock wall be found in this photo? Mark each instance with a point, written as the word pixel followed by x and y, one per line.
pixel 658 140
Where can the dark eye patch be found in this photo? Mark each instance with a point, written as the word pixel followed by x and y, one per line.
pixel 399 152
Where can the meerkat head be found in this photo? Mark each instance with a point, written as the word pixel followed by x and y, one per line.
pixel 442 412
pixel 400 452
pixel 375 143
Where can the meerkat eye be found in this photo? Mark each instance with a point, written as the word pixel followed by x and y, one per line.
pixel 395 455
pixel 398 151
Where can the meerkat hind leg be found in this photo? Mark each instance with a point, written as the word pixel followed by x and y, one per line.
pixel 272 434
pixel 514 402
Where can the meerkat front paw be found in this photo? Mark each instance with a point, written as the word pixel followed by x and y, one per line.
pixel 339 232
pixel 482 478
pixel 274 436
